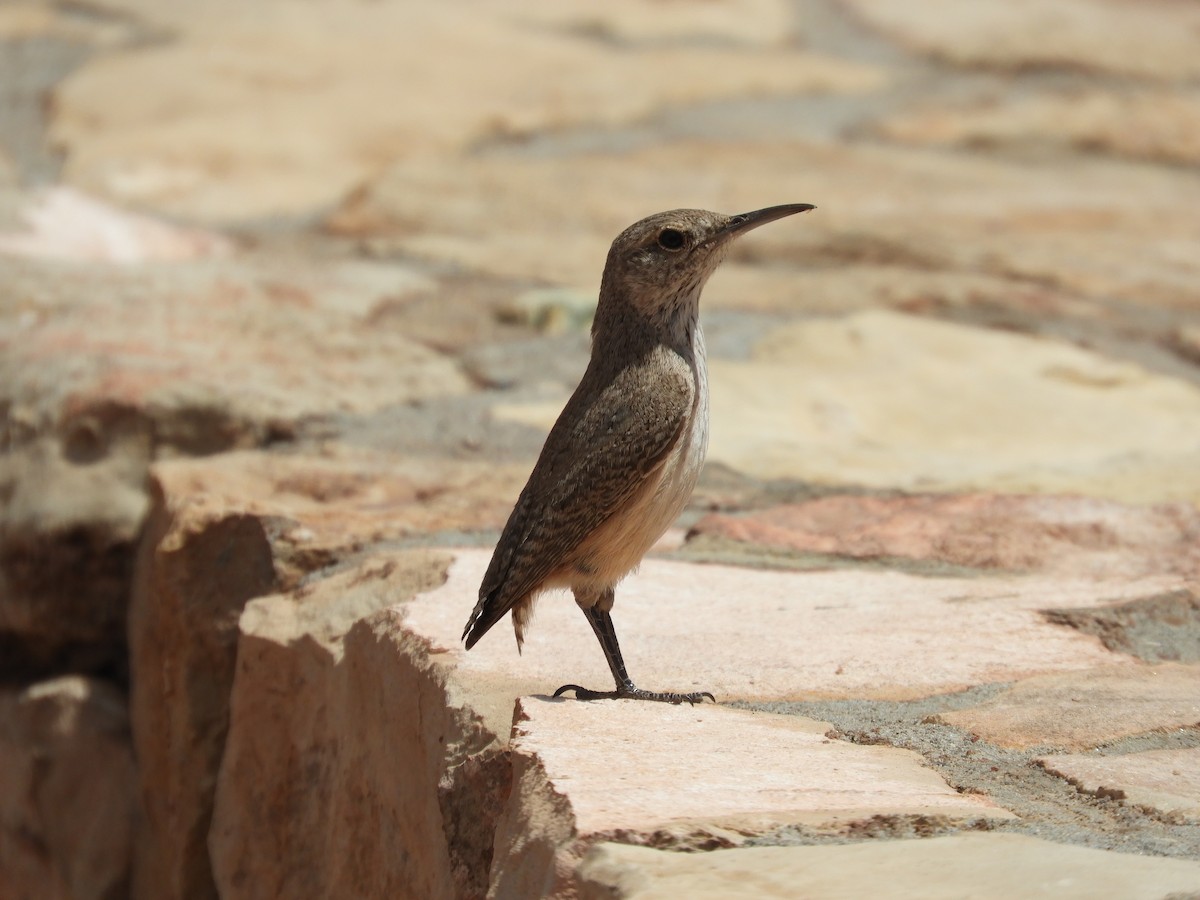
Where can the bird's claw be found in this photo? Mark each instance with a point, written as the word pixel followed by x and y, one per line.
pixel 630 692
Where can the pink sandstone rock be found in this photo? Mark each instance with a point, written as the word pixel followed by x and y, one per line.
pixel 771 635
pixel 335 776
pixel 67 791
pixel 68 224
pixel 700 776
pixel 1166 781
pixel 1080 710
pixel 978 866
pixel 1080 535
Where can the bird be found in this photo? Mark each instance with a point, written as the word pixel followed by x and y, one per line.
pixel 621 461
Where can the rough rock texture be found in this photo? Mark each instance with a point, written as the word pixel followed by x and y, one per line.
pixel 1149 40
pixel 589 772
pixel 979 531
pixel 213 159
pixel 832 633
pixel 987 867
pixel 865 400
pixel 104 370
pixel 1166 781
pixel 1017 219
pixel 336 791
pixel 67 792
pixel 1081 710
pixel 1153 125
pixel 196 571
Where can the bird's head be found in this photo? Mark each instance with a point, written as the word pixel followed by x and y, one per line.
pixel 660 264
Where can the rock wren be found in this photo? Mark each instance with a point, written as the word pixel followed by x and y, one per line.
pixel 621 461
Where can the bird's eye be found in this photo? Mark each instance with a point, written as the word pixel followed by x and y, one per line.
pixel 671 239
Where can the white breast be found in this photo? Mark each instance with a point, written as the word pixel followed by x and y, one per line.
pixel 626 537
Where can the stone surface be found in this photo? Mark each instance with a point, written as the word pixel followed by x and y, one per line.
pixel 828 783
pixel 1154 125
pixel 691 776
pixel 336 791
pixel 339 63
pixel 195 573
pixel 979 866
pixel 65 224
pixel 67 791
pixel 756 22
pixel 295 341
pixel 317 509
pixel 771 635
pixel 223 531
pixel 1085 709
pixel 888 400
pixel 987 531
pixel 1151 40
pixel 103 369
pixel 1166 781
pixel 1019 219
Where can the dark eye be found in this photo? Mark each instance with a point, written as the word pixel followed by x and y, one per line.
pixel 671 239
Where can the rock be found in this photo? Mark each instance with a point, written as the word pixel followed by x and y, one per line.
pixel 318 510
pixel 336 791
pixel 1082 710
pixel 989 531
pixel 982 866
pixel 90 339
pixel 1160 628
pixel 839 290
pixel 1166 781
pixel 690 778
pixel 491 71
pixel 1186 342
pixel 1148 40
pixel 551 310
pixel 223 531
pixel 196 570
pixel 105 369
pixel 762 23
pixel 75 502
pixel 1156 125
pixel 32 20
pixel 67 791
pixel 773 635
pixel 65 224
pixel 885 400
pixel 906 208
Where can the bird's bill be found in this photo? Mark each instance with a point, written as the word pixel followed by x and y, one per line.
pixel 742 223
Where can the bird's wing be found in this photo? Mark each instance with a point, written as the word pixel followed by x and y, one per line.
pixel 598 454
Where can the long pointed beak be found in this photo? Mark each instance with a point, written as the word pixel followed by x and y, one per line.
pixel 742 223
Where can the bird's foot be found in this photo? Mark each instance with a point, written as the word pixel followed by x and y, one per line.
pixel 630 692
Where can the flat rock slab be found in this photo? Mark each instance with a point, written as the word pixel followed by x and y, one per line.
pixel 984 531
pixel 975 866
pixel 1152 124
pixel 1148 40
pixel 501 69
pixel 1080 710
pixel 1167 781
pixel 1019 221
pixel 773 635
pixel 630 766
pixel 896 401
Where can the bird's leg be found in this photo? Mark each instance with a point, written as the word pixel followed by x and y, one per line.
pixel 601 622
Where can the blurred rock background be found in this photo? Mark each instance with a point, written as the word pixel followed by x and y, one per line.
pixel 291 290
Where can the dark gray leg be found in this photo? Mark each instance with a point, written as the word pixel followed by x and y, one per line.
pixel 601 623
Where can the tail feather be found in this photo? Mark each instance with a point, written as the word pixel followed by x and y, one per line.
pixel 487 613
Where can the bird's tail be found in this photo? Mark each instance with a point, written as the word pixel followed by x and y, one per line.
pixel 488 611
